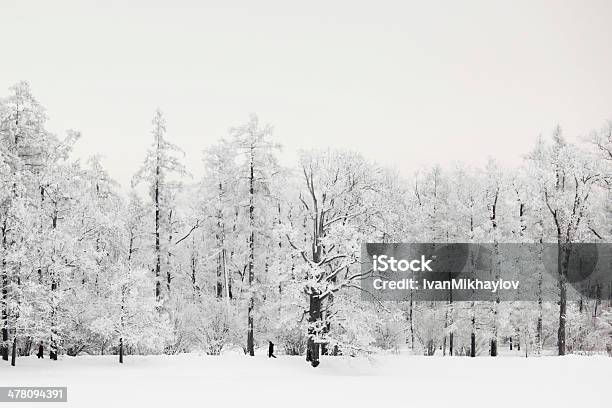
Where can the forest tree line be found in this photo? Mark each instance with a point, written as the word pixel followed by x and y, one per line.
pixel 250 251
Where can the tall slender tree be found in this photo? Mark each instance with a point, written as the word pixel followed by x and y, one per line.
pixel 257 166
pixel 161 172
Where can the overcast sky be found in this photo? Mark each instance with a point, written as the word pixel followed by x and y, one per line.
pixel 406 83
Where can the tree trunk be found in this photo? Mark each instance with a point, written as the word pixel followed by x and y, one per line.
pixel 52 350
pixel 219 285
pixel 448 321
pixel 52 342
pixel 14 353
pixel 473 338
pixel 226 282
pixel 411 322
pixel 562 317
pixel 473 335
pixel 539 326
pixel 564 261
pixel 121 350
pixel 313 349
pixel 314 313
pixel 193 273
pixel 27 350
pixel 157 215
pixel 169 254
pixel 4 346
pixel 157 241
pixel 250 340
pixel 493 347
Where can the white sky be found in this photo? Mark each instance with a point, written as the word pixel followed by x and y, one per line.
pixel 406 83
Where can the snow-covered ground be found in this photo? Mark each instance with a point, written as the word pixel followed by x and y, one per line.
pixel 384 381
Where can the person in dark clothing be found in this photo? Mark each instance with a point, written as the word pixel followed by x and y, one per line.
pixel 271 350
pixel 40 350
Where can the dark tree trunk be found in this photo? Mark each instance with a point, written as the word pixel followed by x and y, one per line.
pixel 312 354
pixel 563 266
pixel 449 321
pixel 27 349
pixel 314 315
pixel 411 322
pixel 431 348
pixel 539 326
pixel 193 272
pixel 493 347
pixel 250 339
pixel 473 335
pixel 493 218
pixel 169 254
pixel 539 330
pixel 219 286
pixel 14 353
pixel 54 287
pixel 52 350
pixel 473 345
pixel 221 272
pixel 562 318
pixel 121 350
pixel 4 348
pixel 157 239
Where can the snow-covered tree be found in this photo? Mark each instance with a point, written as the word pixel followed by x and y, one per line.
pixel 257 166
pixel 161 172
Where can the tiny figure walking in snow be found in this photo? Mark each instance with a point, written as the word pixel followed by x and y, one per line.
pixel 40 350
pixel 271 350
